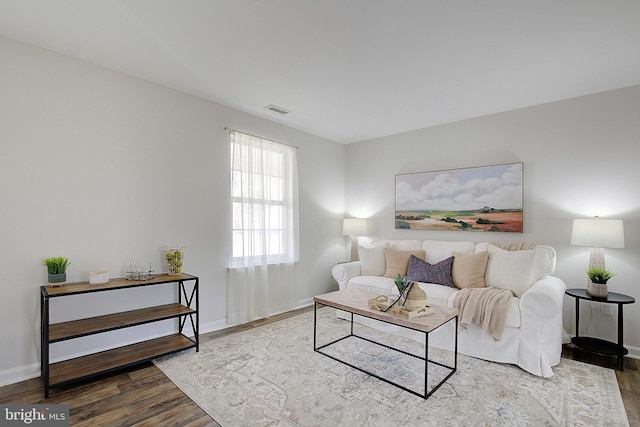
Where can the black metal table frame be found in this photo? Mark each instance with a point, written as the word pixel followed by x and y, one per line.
pixel 598 345
pixel 426 359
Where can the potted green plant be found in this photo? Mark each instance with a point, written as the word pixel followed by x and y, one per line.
pixel 56 269
pixel 599 276
pixel 401 282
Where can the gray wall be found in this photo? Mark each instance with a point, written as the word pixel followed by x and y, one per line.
pixel 104 168
pixel 580 159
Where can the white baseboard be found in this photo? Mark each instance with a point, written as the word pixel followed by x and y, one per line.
pixel 213 326
pixel 634 352
pixel 20 373
pixel 305 303
pixel 26 372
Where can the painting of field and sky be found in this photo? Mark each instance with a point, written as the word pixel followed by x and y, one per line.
pixel 487 198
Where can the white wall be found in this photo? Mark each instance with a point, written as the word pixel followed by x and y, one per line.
pixel 580 159
pixel 104 168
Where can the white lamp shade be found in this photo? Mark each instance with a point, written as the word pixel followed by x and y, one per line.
pixel 598 233
pixel 354 226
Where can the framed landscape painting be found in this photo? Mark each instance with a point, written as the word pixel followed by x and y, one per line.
pixel 486 198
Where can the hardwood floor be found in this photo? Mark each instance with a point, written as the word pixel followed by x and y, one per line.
pixel 143 396
pixel 140 396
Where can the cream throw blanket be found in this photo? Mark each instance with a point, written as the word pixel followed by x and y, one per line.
pixel 515 246
pixel 484 306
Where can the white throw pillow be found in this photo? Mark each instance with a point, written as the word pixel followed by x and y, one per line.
pixel 545 262
pixel 510 269
pixel 372 261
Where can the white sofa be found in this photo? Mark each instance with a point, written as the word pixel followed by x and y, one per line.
pixel 533 336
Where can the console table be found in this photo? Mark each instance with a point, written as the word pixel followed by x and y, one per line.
pixel 597 345
pixel 84 367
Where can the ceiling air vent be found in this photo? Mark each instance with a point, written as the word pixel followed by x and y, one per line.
pixel 277 109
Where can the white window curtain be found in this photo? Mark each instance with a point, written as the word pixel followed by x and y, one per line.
pixel 264 199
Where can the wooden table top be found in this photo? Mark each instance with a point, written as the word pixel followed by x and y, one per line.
pixel 357 302
pixel 117 283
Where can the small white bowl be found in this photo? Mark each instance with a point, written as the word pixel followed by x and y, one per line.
pixel 98 277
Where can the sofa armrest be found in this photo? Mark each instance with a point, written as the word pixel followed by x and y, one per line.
pixel 344 272
pixel 543 299
pixel 541 326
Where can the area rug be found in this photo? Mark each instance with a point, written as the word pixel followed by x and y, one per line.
pixel 270 376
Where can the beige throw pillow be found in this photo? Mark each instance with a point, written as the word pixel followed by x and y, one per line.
pixel 398 261
pixel 468 269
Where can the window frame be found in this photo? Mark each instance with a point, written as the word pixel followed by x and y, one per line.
pixel 256 197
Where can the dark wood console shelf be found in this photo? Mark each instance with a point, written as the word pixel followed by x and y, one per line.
pixel 84 367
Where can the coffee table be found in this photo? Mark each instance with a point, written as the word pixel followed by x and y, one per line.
pixel 355 302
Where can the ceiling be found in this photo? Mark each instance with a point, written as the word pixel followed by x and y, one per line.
pixel 350 70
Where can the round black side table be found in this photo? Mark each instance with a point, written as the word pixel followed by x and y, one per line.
pixel 598 345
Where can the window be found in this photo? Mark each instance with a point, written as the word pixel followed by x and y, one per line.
pixel 264 201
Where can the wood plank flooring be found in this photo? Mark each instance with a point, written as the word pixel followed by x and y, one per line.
pixel 143 396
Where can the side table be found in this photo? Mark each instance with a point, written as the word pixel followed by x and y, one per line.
pixel 597 345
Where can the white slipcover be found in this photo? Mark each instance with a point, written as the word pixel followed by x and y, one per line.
pixel 533 337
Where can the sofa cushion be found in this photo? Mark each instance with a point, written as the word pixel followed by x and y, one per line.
pixel 510 269
pixel 437 294
pixel 422 271
pixel 401 245
pixel 437 250
pixel 397 261
pixel 372 262
pixel 468 270
pixel 376 284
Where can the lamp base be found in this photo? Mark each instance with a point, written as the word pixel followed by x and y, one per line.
pixel 354 249
pixel 596 259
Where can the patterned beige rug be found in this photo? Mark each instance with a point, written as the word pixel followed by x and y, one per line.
pixel 271 376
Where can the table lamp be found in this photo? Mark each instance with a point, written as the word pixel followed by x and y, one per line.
pixel 598 234
pixel 354 227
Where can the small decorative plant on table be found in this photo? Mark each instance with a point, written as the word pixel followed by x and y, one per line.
pixel 403 284
pixel 599 277
pixel 56 270
pixel 412 301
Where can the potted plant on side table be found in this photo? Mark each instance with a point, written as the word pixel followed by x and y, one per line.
pixel 56 270
pixel 598 277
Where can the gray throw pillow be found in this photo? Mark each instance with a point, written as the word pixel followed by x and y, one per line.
pixel 439 273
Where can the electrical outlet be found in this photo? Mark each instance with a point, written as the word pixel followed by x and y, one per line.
pixel 605 310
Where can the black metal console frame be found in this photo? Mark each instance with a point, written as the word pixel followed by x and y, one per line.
pixel 182 293
pixel 426 359
pixel 195 327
